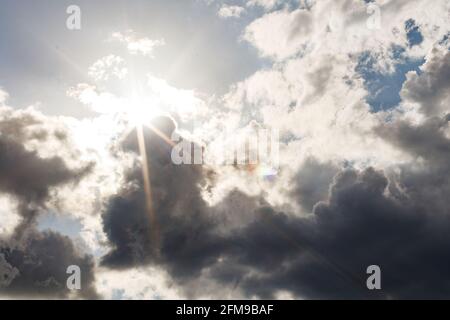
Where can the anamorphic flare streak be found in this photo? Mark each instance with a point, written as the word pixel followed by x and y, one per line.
pixel 154 228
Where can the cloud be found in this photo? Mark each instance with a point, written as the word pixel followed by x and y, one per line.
pixel 136 45
pixel 323 256
pixel 364 220
pixel 155 98
pixel 313 86
pixel 326 256
pixel 425 181
pixel 101 102
pixel 227 11
pixel 37 266
pixel 280 34
pixel 9 220
pixel 345 27
pixel 32 176
pixel 33 262
pixel 3 96
pixel 312 183
pixel 266 4
pixel 430 89
pixel 181 212
pixel 7 272
pixel 139 283
pixel 368 186
pixel 108 66
pixel 354 188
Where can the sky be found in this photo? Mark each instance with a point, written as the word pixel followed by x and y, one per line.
pixel 122 124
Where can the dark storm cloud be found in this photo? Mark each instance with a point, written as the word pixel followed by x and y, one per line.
pixel 425 183
pixel 36 266
pixel 186 228
pixel 321 256
pixel 327 256
pixel 31 262
pixel 401 224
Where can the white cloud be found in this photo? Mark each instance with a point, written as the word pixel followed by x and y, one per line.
pixel 312 92
pixel 227 11
pixel 280 34
pixel 136 284
pixel 136 44
pixel 313 102
pixel 9 218
pixel 341 27
pixel 3 96
pixel 266 4
pixel 157 97
pixel 108 66
pixel 101 102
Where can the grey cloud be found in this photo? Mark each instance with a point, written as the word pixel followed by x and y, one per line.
pixel 326 256
pixel 312 183
pixel 427 140
pixel 33 262
pixel 320 256
pixel 37 265
pixel 425 182
pixel 397 219
pixel 24 174
pixel 7 272
pixel 301 26
pixel 431 89
pixel 186 227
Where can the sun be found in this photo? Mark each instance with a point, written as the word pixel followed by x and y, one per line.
pixel 141 110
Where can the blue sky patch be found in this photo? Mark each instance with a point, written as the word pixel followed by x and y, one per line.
pixel 384 88
pixel 60 223
pixel 413 33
